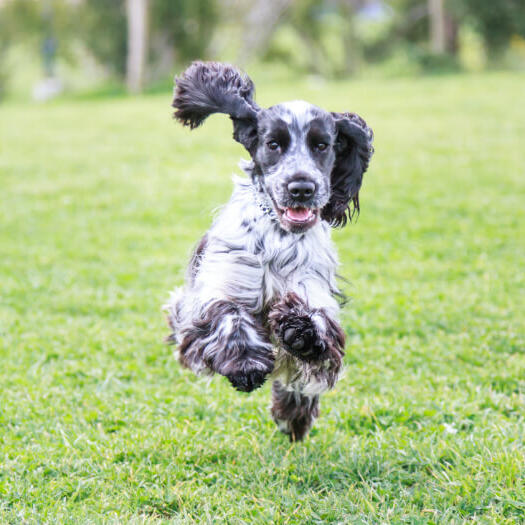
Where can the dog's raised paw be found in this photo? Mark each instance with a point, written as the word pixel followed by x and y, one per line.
pixel 247 381
pixel 299 337
pixel 296 340
pixel 292 323
pixel 247 374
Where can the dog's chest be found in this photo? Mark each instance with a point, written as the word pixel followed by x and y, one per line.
pixel 289 260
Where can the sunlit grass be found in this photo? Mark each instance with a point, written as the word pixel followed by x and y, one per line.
pixel 101 202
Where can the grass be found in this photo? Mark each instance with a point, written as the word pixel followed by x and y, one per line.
pixel 101 203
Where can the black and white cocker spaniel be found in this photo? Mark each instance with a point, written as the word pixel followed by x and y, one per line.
pixel 261 297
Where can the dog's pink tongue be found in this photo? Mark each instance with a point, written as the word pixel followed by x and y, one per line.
pixel 298 214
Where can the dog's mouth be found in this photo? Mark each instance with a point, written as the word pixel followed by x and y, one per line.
pixel 298 219
pixel 295 219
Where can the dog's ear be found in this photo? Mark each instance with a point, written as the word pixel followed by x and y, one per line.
pixel 353 148
pixel 211 87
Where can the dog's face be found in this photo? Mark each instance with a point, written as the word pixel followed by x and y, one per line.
pixel 294 158
pixel 309 162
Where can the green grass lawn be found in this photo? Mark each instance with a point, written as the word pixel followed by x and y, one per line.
pixel 101 203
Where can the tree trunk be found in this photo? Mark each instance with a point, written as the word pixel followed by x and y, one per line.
pixel 137 18
pixel 451 34
pixel 436 11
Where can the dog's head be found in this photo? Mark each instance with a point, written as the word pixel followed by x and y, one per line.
pixel 309 162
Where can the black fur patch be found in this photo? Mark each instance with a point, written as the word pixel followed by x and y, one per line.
pixel 353 152
pixel 210 87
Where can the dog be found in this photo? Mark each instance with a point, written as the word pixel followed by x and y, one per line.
pixel 261 298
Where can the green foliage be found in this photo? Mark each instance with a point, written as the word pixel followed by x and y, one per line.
pixel 31 22
pixel 22 18
pixel 184 25
pixel 430 62
pixel 187 25
pixel 495 21
pixel 102 201
pixel 103 30
pixel 408 30
pixel 318 37
pixel 410 19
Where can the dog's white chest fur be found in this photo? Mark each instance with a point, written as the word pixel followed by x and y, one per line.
pixel 263 259
pixel 293 260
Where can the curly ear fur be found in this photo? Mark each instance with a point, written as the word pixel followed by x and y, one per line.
pixel 210 87
pixel 353 152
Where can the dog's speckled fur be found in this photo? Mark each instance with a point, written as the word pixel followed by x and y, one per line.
pixel 261 294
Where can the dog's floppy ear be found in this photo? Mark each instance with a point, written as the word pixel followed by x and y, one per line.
pixel 353 149
pixel 211 87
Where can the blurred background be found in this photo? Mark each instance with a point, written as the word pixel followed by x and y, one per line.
pixel 102 198
pixel 50 47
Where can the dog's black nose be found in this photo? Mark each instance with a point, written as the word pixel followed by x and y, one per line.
pixel 301 190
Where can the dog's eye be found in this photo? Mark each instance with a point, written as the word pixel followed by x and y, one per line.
pixel 273 145
pixel 321 146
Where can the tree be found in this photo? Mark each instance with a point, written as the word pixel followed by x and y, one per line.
pixel 260 24
pixel 496 22
pixel 137 18
pixel 315 25
pixel 182 27
pixel 104 32
pixel 443 28
pixel 185 25
pixel 45 25
pixel 436 12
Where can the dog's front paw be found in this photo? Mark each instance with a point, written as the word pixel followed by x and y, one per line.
pixel 292 323
pixel 299 337
pixel 247 381
pixel 247 375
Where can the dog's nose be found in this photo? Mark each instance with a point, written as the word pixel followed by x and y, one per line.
pixel 301 190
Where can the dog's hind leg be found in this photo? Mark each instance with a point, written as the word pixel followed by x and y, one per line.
pixel 293 412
